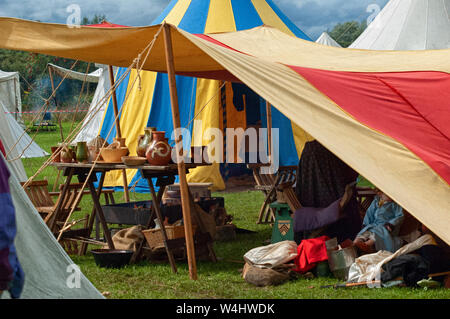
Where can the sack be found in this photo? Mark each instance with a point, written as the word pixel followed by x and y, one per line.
pixel 271 256
pixel 262 277
pixel 128 239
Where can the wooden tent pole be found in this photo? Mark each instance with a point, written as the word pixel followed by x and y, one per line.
pixel 50 73
pixel 118 131
pixel 269 129
pixel 185 201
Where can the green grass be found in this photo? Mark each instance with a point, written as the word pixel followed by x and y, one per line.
pixel 216 280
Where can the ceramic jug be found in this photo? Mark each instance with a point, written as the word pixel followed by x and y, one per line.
pixel 82 152
pixel 144 141
pixel 159 152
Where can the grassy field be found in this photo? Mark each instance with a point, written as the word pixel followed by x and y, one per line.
pixel 216 280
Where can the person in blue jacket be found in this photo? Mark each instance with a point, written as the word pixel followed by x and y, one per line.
pixel 11 273
pixel 381 226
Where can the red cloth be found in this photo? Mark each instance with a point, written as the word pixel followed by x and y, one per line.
pixel 309 253
pixel 2 149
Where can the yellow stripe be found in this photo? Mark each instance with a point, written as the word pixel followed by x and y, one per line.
pixel 178 11
pixel 301 137
pixel 134 118
pixel 269 17
pixel 207 106
pixel 220 17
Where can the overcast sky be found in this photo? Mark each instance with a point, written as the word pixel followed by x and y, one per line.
pixel 312 16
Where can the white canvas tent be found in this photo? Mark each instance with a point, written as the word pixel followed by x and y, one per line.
pixel 91 124
pixel 408 25
pixel 49 271
pixel 326 39
pixel 11 133
pixel 10 93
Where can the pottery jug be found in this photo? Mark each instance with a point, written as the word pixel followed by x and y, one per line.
pixel 144 141
pixel 55 150
pixel 82 152
pixel 66 155
pixel 159 151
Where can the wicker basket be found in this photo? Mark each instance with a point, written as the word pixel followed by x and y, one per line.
pixel 154 237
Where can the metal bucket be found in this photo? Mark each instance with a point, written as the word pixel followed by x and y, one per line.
pixel 340 261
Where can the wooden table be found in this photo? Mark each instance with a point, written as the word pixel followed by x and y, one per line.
pixel 165 176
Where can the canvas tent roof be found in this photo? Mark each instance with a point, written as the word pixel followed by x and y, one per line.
pixel 408 25
pixel 326 39
pixel 10 93
pixel 46 265
pixel 385 113
pixel 200 97
pixel 92 77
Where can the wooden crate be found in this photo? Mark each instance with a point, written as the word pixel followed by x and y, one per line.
pixel 154 237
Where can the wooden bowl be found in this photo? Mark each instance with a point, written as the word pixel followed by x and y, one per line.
pixel 134 160
pixel 113 155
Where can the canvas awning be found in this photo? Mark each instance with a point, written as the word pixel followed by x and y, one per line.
pixel 385 113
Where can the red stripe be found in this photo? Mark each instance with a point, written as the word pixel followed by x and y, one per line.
pixel 209 39
pixel 411 107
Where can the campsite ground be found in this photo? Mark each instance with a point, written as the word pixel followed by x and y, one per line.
pixel 216 280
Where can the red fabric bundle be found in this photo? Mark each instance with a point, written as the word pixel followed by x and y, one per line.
pixel 310 252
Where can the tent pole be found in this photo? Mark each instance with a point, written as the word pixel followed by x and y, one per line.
pixel 185 201
pixel 118 132
pixel 269 128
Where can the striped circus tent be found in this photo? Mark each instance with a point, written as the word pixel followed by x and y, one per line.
pixel 149 105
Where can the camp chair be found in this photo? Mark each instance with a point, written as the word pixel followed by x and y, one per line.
pixel 268 184
pixel 42 200
pixel 364 197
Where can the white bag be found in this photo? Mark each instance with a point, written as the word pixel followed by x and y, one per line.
pixel 273 255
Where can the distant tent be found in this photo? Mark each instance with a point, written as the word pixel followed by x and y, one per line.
pixel 10 93
pixel 49 271
pixel 10 134
pixel 201 98
pixel 408 25
pixel 326 39
pixel 97 107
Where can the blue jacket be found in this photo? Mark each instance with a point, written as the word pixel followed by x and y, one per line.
pixel 378 216
pixel 11 273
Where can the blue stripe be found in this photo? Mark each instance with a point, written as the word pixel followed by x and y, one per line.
pixel 121 92
pixel 164 14
pixel 287 149
pixel 298 33
pixel 161 113
pixel 245 15
pixel 194 20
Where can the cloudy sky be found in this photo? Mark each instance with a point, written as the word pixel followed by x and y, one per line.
pixel 312 16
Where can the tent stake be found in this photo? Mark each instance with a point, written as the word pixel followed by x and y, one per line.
pixel 185 201
pixel 118 131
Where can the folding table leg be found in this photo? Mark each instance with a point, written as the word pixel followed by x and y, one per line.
pixel 157 210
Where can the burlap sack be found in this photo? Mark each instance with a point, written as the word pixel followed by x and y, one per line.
pixel 128 238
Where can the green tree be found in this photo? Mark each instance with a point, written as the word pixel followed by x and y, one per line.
pixel 33 71
pixel 346 33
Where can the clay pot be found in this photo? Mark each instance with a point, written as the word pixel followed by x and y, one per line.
pixel 159 152
pixel 66 155
pixel 57 157
pixel 144 141
pixel 94 148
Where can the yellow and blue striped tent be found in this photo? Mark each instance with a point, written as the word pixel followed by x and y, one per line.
pixel 149 105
